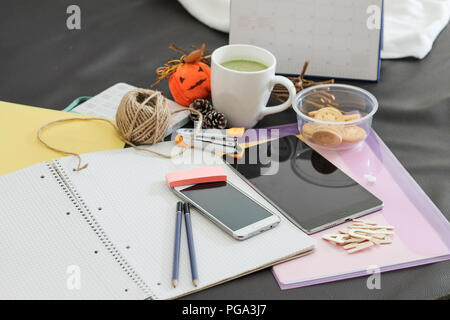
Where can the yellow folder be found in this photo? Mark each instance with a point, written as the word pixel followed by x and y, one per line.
pixel 19 146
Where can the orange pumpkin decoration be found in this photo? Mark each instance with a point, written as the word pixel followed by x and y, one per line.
pixel 190 78
pixel 189 82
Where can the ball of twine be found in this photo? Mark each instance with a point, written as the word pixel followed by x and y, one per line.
pixel 143 116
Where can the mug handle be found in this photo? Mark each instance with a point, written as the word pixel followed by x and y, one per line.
pixel 292 92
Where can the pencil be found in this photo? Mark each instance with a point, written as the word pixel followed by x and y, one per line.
pixel 176 249
pixel 190 238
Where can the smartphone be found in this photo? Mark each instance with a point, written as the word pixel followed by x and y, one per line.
pixel 229 208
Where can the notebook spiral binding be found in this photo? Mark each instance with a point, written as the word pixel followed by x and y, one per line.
pixel 64 181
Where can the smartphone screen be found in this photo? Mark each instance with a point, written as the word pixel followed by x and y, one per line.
pixel 227 204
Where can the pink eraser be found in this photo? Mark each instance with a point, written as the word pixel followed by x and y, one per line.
pixel 202 175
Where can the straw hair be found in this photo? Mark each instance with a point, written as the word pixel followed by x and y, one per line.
pixel 143 117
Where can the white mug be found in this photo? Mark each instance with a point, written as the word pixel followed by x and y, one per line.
pixel 242 96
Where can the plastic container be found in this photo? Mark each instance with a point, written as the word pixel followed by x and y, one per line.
pixel 345 127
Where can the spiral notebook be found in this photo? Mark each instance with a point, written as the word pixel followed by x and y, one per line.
pixel 108 231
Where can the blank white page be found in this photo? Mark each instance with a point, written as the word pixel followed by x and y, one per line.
pixel 340 38
pixel 127 192
pixel 47 249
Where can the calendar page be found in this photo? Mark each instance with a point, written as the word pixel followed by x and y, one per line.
pixel 339 38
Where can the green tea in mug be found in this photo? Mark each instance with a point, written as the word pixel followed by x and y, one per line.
pixel 244 65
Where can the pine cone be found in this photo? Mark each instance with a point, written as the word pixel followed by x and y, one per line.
pixel 214 120
pixel 202 105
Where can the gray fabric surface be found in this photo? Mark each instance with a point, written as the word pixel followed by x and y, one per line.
pixel 44 64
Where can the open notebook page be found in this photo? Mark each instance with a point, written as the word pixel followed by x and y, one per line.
pixel 126 191
pixel 48 250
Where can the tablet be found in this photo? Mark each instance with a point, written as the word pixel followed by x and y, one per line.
pixel 312 192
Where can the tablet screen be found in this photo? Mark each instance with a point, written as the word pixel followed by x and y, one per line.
pixel 303 184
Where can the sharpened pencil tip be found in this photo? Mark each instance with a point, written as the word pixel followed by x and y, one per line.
pixel 174 283
pixel 195 282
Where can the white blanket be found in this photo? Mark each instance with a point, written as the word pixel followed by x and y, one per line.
pixel 410 26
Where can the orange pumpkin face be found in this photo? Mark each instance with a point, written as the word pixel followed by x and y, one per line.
pixel 189 82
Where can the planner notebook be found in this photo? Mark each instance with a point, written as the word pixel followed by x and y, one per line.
pixel 106 103
pixel 341 39
pixel 108 231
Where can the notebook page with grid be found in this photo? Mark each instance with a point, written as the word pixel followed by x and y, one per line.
pixel 48 249
pixel 340 39
pixel 126 192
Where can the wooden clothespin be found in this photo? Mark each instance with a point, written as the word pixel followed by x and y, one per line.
pixel 361 235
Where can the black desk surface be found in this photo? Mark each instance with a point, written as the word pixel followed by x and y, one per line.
pixel 44 64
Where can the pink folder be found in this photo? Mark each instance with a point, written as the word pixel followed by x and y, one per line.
pixel 422 233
